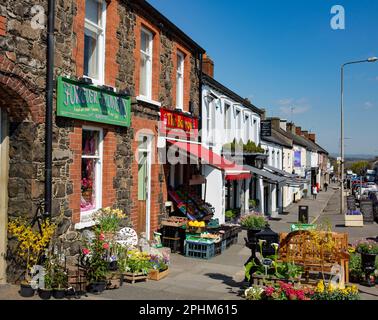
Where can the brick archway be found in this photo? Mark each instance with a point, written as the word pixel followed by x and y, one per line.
pixel 17 91
pixel 22 106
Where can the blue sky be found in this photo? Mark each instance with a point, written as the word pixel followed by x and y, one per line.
pixel 284 54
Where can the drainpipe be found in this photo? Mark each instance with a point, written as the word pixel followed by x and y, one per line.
pixel 49 107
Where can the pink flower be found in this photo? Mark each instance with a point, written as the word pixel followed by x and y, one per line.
pixel 102 237
pixel 86 251
pixel 269 291
pixel 105 246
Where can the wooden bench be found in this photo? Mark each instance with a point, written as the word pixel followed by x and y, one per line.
pixel 299 247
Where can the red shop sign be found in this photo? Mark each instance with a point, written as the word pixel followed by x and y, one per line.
pixel 177 124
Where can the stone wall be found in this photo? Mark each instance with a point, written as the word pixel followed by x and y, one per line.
pixel 23 60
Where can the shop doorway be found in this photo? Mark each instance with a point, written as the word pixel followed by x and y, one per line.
pixel 4 159
pixel 144 185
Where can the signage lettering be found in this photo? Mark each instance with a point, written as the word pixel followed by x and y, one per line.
pixel 86 102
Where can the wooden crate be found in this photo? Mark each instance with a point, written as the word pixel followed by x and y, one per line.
pixel 157 275
pixel 113 281
pixel 354 220
pixel 132 277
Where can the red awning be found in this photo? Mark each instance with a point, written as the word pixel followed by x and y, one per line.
pixel 233 170
pixel 238 176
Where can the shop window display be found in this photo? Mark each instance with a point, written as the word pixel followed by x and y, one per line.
pixel 90 170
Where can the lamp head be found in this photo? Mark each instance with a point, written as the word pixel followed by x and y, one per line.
pixel 372 59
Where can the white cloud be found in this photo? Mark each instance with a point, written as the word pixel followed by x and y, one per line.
pixel 296 110
pixel 293 106
pixel 285 101
pixel 368 105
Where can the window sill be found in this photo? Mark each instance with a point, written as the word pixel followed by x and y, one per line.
pixel 83 225
pixel 145 99
pixel 86 220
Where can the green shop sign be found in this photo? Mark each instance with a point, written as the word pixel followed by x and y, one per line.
pixel 87 102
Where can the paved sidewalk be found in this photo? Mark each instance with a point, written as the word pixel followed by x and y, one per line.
pixel 221 278
pixel 316 208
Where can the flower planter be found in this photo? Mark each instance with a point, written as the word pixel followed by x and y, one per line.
pixel 261 280
pixel 132 277
pixel 354 220
pixel 114 281
pixel 45 294
pixel 368 261
pixel 158 275
pixel 59 293
pixel 97 287
pixel 26 290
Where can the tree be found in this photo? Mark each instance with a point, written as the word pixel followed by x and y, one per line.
pixel 360 166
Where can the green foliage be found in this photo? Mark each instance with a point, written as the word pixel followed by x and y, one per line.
pixel 367 247
pixel 95 258
pixel 230 214
pixel 253 203
pixel 249 147
pixel 59 278
pixel 253 221
pixel 281 270
pixel 138 262
pixel 360 166
pixel 355 265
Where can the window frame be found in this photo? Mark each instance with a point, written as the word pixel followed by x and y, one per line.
pixel 149 62
pixel 180 86
pixel 86 216
pixel 100 30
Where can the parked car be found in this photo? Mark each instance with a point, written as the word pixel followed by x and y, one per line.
pixel 373 196
pixel 362 193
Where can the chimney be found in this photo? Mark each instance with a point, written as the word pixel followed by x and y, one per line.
pixel 208 65
pixel 275 123
pixel 305 134
pixel 312 137
pixel 283 124
pixel 290 127
pixel 263 114
pixel 298 131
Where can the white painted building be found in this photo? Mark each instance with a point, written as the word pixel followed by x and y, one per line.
pixel 225 117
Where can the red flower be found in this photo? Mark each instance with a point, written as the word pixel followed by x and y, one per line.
pixel 102 237
pixel 105 246
pixel 269 291
pixel 86 251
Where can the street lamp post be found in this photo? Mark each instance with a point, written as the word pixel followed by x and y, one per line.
pixel 372 59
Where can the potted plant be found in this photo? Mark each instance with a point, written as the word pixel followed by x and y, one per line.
pixel 368 250
pixel 229 215
pixel 253 223
pixel 95 263
pixel 159 264
pixel 59 282
pixel 355 268
pixel 45 292
pixel 137 266
pixel 252 204
pixel 108 221
pixel 31 245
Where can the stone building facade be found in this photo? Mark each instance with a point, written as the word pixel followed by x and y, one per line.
pixel 22 110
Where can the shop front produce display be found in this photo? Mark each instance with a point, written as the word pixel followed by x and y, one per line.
pixel 191 205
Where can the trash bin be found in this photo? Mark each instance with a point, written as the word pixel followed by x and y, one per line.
pixel 303 214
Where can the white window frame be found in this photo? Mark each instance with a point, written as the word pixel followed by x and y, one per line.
pixel 86 218
pixel 180 72
pixel 247 121
pixel 101 31
pixel 149 63
pixel 238 121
